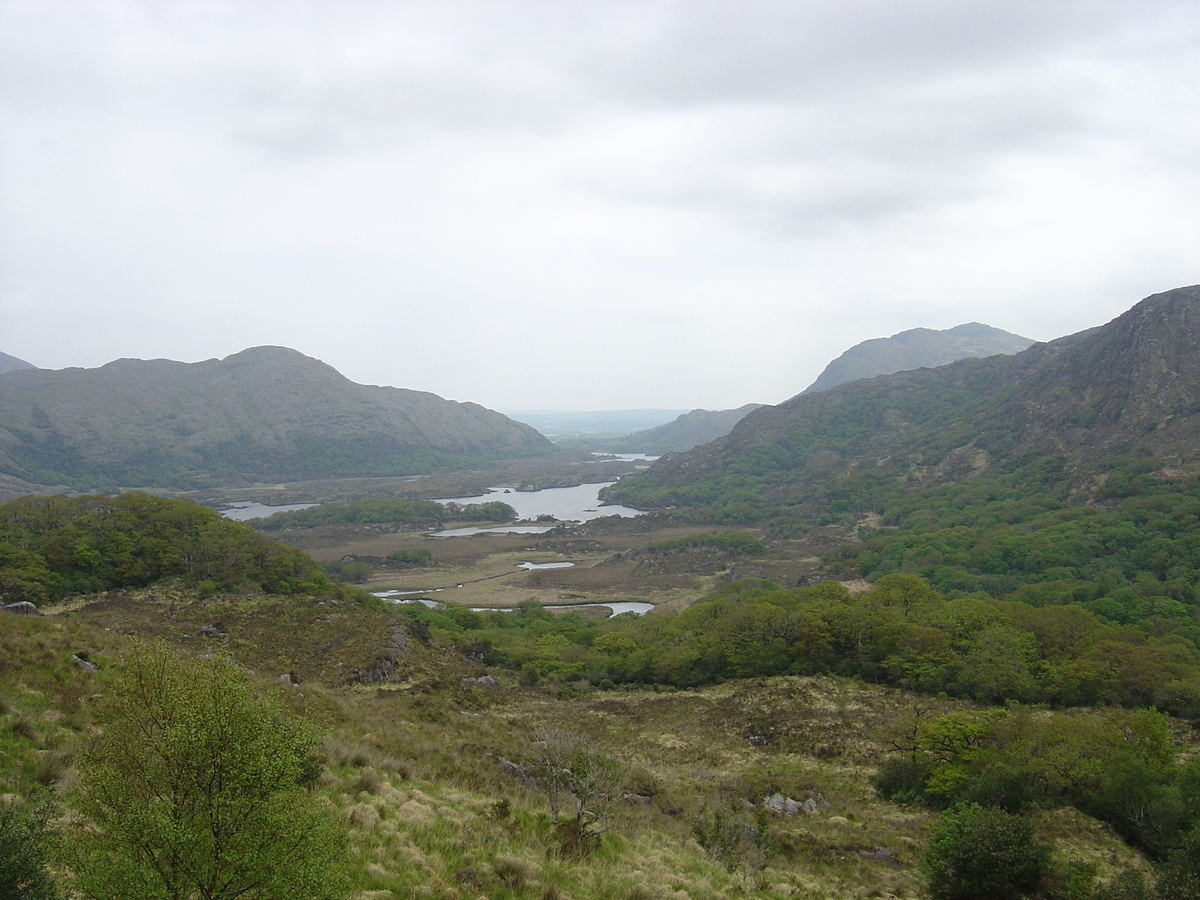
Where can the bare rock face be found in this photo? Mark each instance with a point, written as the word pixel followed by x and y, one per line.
pixel 786 806
pixel 21 608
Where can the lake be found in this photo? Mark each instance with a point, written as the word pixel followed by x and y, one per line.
pixel 249 509
pixel 568 504
pixel 618 607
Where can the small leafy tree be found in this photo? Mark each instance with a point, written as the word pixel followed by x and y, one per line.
pixel 560 763
pixel 983 854
pixel 194 790
pixel 23 874
pixel 597 783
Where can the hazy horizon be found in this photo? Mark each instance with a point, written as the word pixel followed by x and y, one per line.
pixel 592 205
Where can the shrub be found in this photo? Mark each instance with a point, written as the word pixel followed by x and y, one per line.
pixel 983 854
pixel 23 872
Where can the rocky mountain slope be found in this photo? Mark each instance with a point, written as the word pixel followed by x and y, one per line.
pixel 265 414
pixel 917 348
pixel 1071 409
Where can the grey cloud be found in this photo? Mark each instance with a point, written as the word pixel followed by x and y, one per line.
pixel 721 52
pixel 802 167
pixel 339 173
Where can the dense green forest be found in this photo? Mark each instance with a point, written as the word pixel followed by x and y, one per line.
pixel 52 547
pixel 1131 556
pixel 1128 551
pixel 389 510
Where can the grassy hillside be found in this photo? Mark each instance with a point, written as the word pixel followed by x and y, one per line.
pixel 413 761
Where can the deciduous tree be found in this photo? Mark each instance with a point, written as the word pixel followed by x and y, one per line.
pixel 194 790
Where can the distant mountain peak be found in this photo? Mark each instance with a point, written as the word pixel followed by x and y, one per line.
pixel 267 353
pixel 11 363
pixel 691 429
pixel 917 348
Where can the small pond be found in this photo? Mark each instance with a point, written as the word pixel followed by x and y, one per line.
pixel 251 509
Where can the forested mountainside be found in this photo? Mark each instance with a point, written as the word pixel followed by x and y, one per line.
pixel 700 426
pixel 265 414
pixel 1065 474
pixel 917 348
pixel 1064 413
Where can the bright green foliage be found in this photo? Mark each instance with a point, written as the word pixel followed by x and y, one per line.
pixel 54 546
pixel 983 854
pixel 194 790
pixel 899 632
pixel 23 874
pixel 1117 765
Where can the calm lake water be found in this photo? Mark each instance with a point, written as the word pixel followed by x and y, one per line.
pixel 248 509
pixel 579 503
pixel 617 608
pixel 569 504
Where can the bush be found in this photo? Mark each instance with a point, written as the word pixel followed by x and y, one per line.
pixel 23 874
pixel 730 835
pixel 983 854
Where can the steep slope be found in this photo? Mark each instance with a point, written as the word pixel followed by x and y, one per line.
pixel 700 426
pixel 9 363
pixel 917 348
pixel 1061 412
pixel 267 413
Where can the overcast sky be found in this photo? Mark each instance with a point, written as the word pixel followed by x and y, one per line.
pixel 543 204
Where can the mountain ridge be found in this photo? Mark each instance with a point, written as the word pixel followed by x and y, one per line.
pixel 266 413
pixel 691 429
pixel 917 348
pixel 11 363
pixel 1131 387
